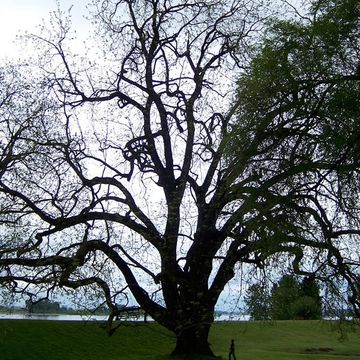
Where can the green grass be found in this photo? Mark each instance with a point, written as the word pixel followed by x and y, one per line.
pixel 285 340
pixel 288 340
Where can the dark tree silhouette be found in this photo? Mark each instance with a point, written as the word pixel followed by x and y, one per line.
pixel 129 184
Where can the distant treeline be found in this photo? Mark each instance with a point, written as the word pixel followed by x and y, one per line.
pixel 53 307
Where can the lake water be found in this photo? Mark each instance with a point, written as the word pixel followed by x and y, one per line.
pixel 57 317
pixel 65 317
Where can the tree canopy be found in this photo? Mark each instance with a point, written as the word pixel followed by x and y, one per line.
pixel 298 136
pixel 181 151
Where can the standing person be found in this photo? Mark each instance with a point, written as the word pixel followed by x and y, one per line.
pixel 232 350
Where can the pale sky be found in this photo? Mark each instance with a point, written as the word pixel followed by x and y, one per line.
pixel 17 16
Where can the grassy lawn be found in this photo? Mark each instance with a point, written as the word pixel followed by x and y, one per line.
pixel 285 340
pixel 288 340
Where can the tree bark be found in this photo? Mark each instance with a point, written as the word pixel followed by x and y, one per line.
pixel 193 340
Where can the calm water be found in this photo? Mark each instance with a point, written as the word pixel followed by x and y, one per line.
pixel 58 317
pixel 64 317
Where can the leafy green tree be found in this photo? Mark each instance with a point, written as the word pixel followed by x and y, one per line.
pixel 311 299
pixel 257 301
pixel 298 133
pixel 306 308
pixel 284 298
pixel 153 177
pixel 289 299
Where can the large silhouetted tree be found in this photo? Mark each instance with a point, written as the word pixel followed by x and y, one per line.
pixel 131 185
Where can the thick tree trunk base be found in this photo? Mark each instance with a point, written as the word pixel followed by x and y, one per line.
pixel 193 342
pixel 187 353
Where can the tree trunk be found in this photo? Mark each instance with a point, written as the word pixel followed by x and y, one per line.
pixel 193 340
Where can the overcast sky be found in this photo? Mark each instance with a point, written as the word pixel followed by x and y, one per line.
pixel 17 16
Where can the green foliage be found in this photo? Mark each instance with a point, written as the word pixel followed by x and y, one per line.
pixel 293 300
pixel 289 300
pixel 306 308
pixel 307 72
pixel 304 86
pixel 283 298
pixel 297 135
pixel 311 296
pixel 258 302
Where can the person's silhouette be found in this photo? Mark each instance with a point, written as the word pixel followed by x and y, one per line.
pixel 232 350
